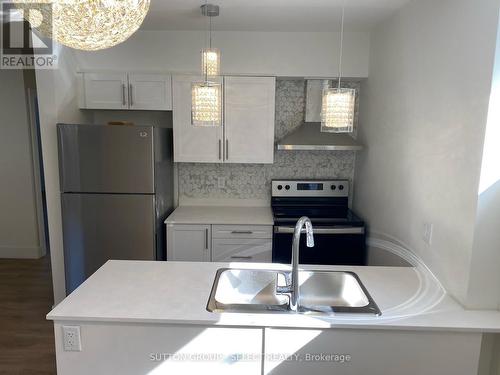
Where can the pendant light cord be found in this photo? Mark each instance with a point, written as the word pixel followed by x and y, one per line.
pixel 210 33
pixel 209 42
pixel 341 42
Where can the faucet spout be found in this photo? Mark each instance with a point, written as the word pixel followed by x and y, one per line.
pixel 303 221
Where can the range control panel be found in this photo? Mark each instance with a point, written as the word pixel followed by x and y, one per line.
pixel 310 188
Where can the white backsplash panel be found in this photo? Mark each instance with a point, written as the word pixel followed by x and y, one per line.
pixel 253 181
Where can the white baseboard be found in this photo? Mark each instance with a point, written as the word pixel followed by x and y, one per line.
pixel 10 252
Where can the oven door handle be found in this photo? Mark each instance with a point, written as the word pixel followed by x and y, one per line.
pixel 325 230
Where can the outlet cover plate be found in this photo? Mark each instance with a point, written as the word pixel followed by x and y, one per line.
pixel 72 339
pixel 427 233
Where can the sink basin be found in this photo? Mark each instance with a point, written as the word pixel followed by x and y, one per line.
pixel 247 290
pixel 321 292
pixel 331 291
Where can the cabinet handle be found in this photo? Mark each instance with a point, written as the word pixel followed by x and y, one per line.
pixel 124 101
pixel 332 230
pixel 131 97
pixel 220 149
pixel 206 239
pixel 241 232
pixel 227 149
pixel 241 257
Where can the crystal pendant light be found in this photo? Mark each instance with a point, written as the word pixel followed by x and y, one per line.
pixel 210 61
pixel 206 104
pixel 337 110
pixel 206 96
pixel 88 25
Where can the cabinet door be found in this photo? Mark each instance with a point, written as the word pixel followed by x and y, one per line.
pixel 189 243
pixel 249 119
pixel 374 352
pixel 150 91
pixel 192 143
pixel 242 250
pixel 105 91
pixel 159 349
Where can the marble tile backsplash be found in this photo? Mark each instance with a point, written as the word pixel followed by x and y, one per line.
pixel 253 181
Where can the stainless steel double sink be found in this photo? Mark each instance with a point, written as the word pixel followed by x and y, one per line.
pixel 320 292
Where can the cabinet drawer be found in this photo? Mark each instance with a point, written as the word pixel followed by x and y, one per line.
pixel 242 250
pixel 242 231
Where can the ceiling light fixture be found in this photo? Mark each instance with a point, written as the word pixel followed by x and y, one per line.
pixel 88 25
pixel 210 57
pixel 206 96
pixel 337 110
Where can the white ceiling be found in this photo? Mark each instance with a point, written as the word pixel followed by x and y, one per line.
pixel 270 15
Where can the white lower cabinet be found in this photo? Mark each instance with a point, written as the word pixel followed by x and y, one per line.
pixel 133 349
pixel 242 250
pixel 219 243
pixel 157 349
pixel 191 243
pixel 374 352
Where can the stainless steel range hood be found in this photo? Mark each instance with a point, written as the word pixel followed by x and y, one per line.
pixel 309 136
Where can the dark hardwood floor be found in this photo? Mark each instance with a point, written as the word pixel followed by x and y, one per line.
pixel 26 338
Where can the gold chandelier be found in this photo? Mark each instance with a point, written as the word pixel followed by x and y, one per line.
pixel 88 25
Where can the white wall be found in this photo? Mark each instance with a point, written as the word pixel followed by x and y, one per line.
pixel 485 263
pixel 57 98
pixel 266 53
pixel 19 237
pixel 423 117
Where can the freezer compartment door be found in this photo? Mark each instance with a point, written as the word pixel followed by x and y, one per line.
pixel 100 227
pixel 106 159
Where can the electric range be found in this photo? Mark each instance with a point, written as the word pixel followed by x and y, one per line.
pixel 339 234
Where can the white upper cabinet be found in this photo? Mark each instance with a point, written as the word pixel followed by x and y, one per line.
pixel 125 91
pixel 193 143
pixel 104 91
pixel 150 91
pixel 247 132
pixel 249 119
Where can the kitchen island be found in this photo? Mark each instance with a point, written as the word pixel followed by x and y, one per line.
pixel 151 318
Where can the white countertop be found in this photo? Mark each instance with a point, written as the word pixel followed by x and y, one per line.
pixel 178 292
pixel 221 215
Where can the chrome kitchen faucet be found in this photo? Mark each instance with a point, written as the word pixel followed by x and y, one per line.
pixel 303 221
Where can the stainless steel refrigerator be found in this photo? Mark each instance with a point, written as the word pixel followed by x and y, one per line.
pixel 116 191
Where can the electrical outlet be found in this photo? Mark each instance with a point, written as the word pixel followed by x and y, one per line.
pixel 221 182
pixel 427 233
pixel 71 339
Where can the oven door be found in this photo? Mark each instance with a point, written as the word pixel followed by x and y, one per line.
pixel 334 245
